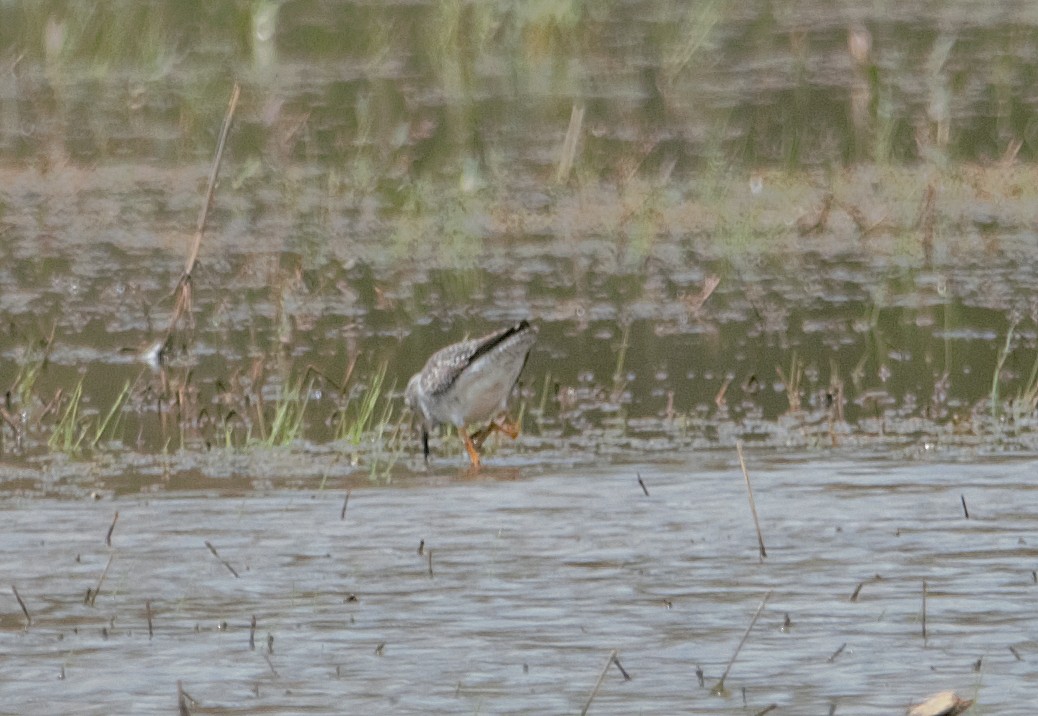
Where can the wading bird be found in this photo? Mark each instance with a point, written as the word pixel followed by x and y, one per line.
pixel 468 383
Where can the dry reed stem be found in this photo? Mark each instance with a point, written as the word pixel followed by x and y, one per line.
pixel 719 686
pixel 753 505
pixel 147 613
pixel 924 610
pixel 182 304
pixel 108 537
pixel 342 515
pixel 222 560
pixel 271 665
pixel 640 482
pixel 100 581
pixel 623 671
pixel 598 684
pixel 25 610
pixel 182 699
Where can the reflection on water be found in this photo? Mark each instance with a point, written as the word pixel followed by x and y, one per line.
pixel 535 578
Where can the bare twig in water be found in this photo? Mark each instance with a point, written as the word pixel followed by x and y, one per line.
pixel 857 591
pixel 598 684
pixel 924 610
pixel 766 710
pixel 965 510
pixel 623 671
pixel 182 303
pixel 25 610
pixel 271 665
pixel 644 488
pixel 430 564
pixel 421 547
pixel 147 613
pixel 92 597
pixel 832 657
pixel 753 506
pixel 222 560
pixel 342 515
pixel 719 686
pixel 182 700
pixel 252 634
pixel 108 537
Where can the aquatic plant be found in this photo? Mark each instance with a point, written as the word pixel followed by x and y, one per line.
pixel 289 412
pixel 69 431
pixel 792 381
pixel 996 376
pixel 358 416
pixel 109 426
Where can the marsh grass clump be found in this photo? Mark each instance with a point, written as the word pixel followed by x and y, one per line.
pixel 77 427
pixel 358 416
pixel 289 412
pixel 69 431
pixel 366 418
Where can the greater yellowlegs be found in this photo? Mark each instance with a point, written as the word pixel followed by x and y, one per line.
pixel 468 383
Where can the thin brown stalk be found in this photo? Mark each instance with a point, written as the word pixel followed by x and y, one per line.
pixel 182 700
pixel 25 609
pixel 182 304
pixel 147 613
pixel 210 190
pixel 642 483
pixel 108 537
pixel 598 684
pixel 753 505
pixel 342 515
pixel 101 580
pixel 271 665
pixel 222 560
pixel 924 610
pixel 719 687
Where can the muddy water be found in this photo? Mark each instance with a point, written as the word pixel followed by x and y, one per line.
pixel 792 225
pixel 536 576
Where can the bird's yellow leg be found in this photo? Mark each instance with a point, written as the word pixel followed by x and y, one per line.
pixel 470 448
pixel 508 426
pixel 502 425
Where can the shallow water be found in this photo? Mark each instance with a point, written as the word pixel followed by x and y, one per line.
pixel 536 576
pixel 394 180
